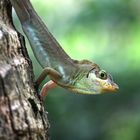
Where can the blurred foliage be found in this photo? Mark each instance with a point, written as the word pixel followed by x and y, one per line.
pixel 107 32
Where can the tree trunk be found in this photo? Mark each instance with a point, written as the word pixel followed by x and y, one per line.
pixel 22 115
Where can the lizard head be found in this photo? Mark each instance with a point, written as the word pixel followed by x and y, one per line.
pixel 101 81
pixel 95 81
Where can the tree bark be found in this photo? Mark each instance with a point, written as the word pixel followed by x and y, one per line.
pixel 22 115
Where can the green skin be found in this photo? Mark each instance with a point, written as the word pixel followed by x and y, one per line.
pixel 79 76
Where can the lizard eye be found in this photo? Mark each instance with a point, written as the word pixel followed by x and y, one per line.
pixel 102 75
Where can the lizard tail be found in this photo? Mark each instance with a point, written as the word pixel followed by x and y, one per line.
pixel 24 10
pixel 45 47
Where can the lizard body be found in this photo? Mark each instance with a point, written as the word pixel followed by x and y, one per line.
pixel 83 77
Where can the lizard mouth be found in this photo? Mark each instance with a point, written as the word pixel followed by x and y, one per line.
pixel 110 87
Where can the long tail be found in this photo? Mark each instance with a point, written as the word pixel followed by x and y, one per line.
pixel 45 47
pixel 24 10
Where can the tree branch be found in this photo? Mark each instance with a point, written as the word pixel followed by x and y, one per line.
pixel 22 115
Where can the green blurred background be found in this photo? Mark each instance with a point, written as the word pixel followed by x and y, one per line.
pixel 108 33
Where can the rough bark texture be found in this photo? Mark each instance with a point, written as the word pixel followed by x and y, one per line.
pixel 21 113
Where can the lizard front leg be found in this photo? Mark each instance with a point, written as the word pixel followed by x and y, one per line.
pixel 49 85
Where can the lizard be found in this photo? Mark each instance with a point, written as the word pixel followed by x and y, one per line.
pixel 83 77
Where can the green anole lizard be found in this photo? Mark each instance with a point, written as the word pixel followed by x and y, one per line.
pixel 84 77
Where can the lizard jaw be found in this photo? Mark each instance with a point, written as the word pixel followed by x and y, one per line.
pixel 111 87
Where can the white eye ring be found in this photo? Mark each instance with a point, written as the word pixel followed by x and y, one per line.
pixel 102 75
